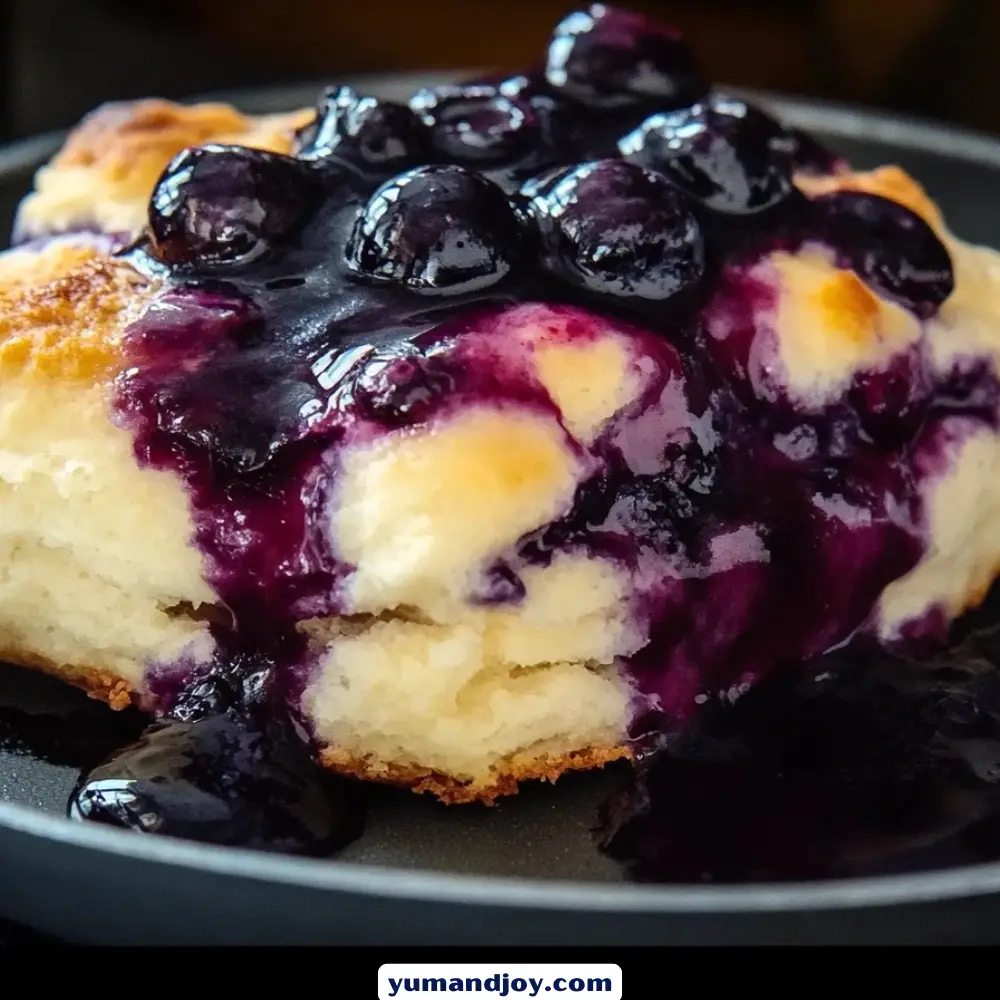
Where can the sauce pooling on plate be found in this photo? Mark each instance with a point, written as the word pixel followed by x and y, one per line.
pixel 862 764
pixel 225 768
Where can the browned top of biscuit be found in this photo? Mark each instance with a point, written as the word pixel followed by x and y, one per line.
pixel 130 142
pixel 849 304
pixel 63 314
pixel 114 135
pixel 105 172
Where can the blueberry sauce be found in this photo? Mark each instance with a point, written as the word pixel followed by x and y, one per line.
pixel 864 763
pixel 223 782
pixel 376 280
pixel 211 777
pixel 77 739
pixel 226 763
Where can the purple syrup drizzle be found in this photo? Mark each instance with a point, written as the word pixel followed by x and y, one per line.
pixel 862 764
pixel 226 782
pixel 375 281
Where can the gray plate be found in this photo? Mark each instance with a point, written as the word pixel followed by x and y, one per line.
pixel 524 872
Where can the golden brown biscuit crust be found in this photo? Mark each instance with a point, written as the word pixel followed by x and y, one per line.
pixel 129 143
pixel 68 326
pixel 101 685
pixel 104 174
pixel 505 779
pixel 114 135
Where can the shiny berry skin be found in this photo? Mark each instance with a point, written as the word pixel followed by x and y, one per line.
pixel 531 87
pixel 554 112
pixel 437 230
pixel 731 157
pixel 400 385
pixel 375 135
pixel 605 57
pixel 892 401
pixel 477 124
pixel 219 781
pixel 217 204
pixel 891 248
pixel 614 229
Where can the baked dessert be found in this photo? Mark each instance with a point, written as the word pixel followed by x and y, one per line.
pixel 489 436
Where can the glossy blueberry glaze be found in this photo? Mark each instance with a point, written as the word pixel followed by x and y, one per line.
pixel 348 291
pixel 223 781
pixel 611 58
pixel 861 764
pixel 226 763
pixel 731 158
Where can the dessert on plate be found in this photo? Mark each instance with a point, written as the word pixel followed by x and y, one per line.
pixel 491 435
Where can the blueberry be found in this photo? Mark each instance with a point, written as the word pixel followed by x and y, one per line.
pixel 400 385
pixel 570 131
pixel 238 686
pixel 605 57
pixel 891 248
pixel 374 135
pixel 731 157
pixel 436 229
pixel 216 204
pixel 218 781
pixel 615 229
pixel 477 124
pixel 891 402
pixel 211 694
pixel 548 102
pixel 531 87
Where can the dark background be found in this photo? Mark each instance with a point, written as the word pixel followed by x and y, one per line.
pixel 934 58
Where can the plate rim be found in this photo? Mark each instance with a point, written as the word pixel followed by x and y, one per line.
pixel 374 880
pixel 384 881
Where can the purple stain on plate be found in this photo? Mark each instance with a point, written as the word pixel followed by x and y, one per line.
pixel 864 763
